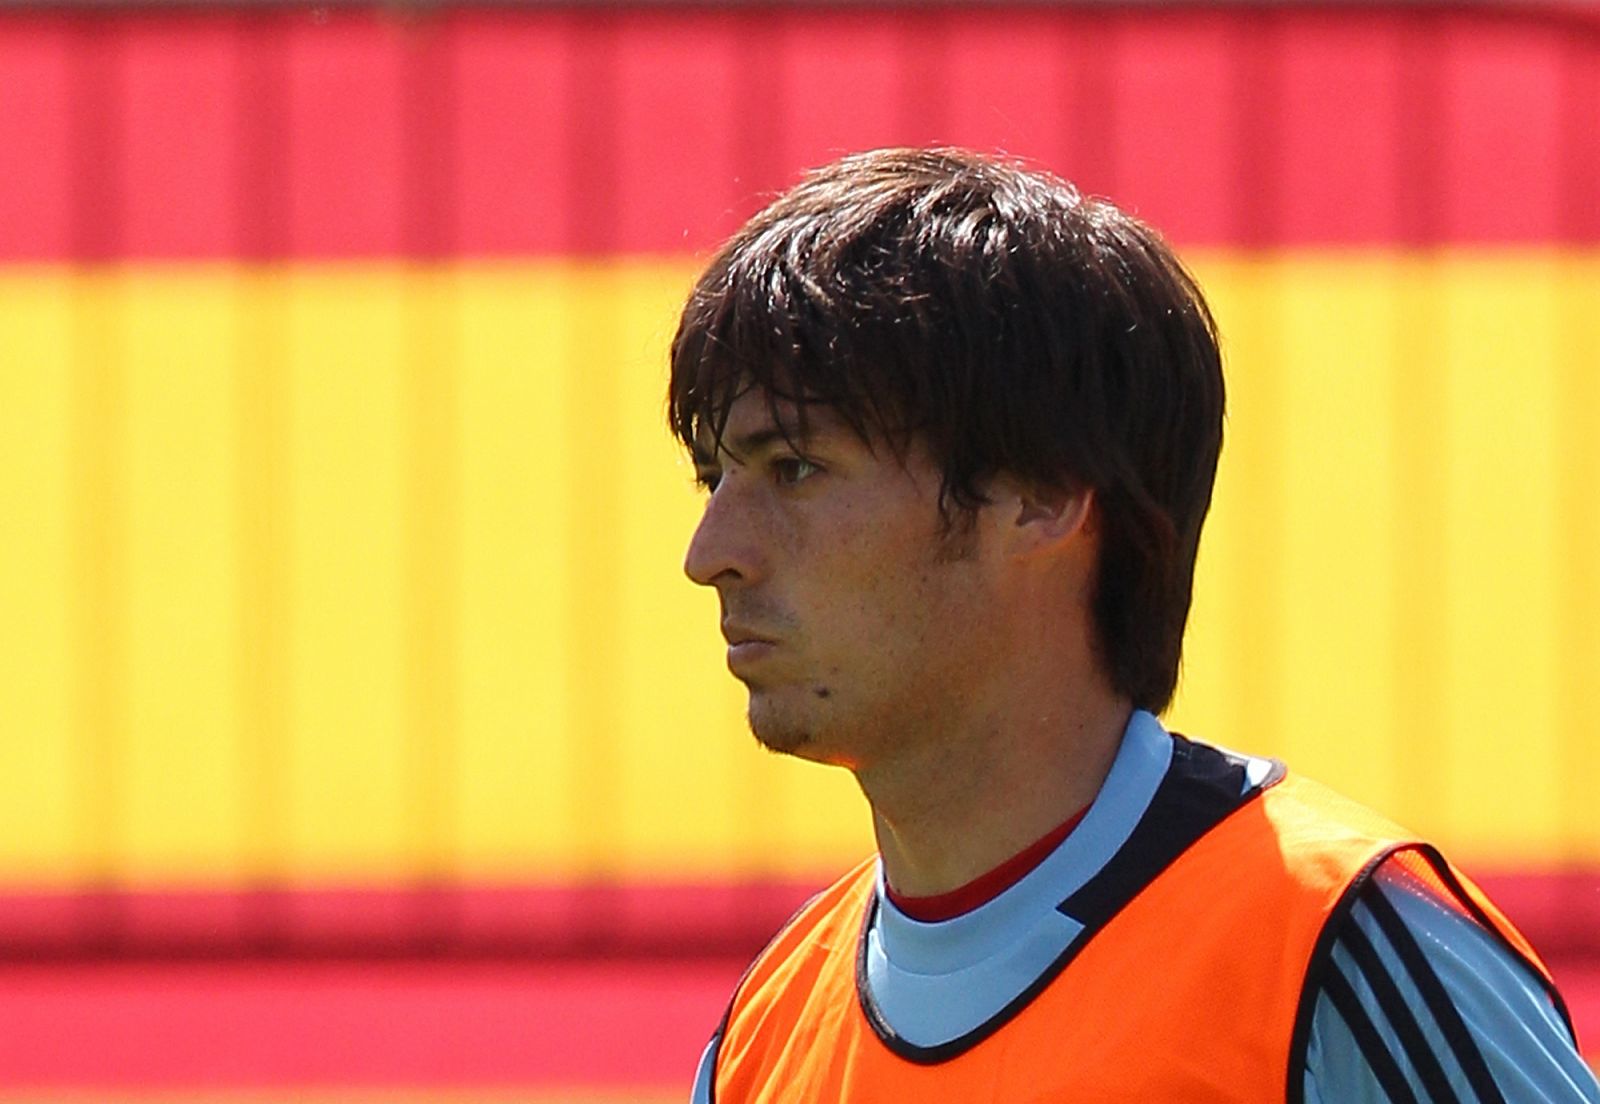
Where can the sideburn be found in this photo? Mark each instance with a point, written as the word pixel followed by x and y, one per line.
pixel 958 538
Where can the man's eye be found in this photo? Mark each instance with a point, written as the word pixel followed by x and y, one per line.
pixel 707 479
pixel 790 470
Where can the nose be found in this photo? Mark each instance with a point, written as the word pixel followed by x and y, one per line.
pixel 725 549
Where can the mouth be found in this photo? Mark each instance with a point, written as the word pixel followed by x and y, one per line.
pixel 746 647
pixel 746 652
pixel 737 635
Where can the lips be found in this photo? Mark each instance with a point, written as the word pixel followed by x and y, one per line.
pixel 746 646
pixel 738 635
pixel 746 661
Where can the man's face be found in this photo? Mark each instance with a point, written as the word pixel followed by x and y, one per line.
pixel 851 616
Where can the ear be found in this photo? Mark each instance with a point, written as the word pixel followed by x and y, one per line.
pixel 1054 516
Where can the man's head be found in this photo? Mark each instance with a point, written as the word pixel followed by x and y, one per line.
pixel 978 324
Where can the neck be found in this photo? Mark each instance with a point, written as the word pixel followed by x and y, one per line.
pixel 949 810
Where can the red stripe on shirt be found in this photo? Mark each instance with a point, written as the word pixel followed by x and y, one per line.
pixel 986 887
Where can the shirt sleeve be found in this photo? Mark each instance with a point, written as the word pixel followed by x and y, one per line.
pixel 707 1070
pixel 1419 1003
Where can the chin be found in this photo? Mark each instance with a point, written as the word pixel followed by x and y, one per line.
pixel 785 729
pixel 782 726
pixel 778 734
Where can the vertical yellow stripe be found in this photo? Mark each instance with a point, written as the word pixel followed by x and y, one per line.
pixel 1336 624
pixel 349 794
pixel 593 614
pixel 817 814
pixel 1421 440
pixel 516 814
pixel 1210 698
pixel 1248 508
pixel 261 521
pixel 432 568
pixel 1498 402
pixel 1577 431
pixel 99 533
pixel 673 688
pixel 178 584
pixel 41 565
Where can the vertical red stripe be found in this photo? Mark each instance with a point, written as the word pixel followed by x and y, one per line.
pixel 678 99
pixel 594 126
pixel 513 98
pixel 1580 139
pixel 37 155
pixel 346 163
pixel 177 122
pixel 1341 106
pixel 1009 86
pixel 1500 142
pixel 1257 211
pixel 94 129
pixel 927 39
pixel 1174 121
pixel 760 107
pixel 838 78
pixel 261 198
pixel 430 61
pixel 1093 115
pixel 1417 157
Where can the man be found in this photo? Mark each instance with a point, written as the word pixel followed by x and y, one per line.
pixel 958 428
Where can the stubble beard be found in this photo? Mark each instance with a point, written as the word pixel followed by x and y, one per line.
pixel 780 734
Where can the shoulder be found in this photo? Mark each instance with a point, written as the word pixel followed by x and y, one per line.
pixel 1416 998
pixel 792 939
pixel 837 906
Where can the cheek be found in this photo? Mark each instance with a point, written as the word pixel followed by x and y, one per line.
pixel 881 596
pixel 889 621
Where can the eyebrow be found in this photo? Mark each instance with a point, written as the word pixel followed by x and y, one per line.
pixel 755 440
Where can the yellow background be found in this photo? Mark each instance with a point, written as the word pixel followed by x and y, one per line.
pixel 348 574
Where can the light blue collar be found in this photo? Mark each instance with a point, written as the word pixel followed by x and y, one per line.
pixel 935 982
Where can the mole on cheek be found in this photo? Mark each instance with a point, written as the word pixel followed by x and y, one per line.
pixel 822 691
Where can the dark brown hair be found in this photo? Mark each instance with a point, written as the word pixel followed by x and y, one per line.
pixel 1011 325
